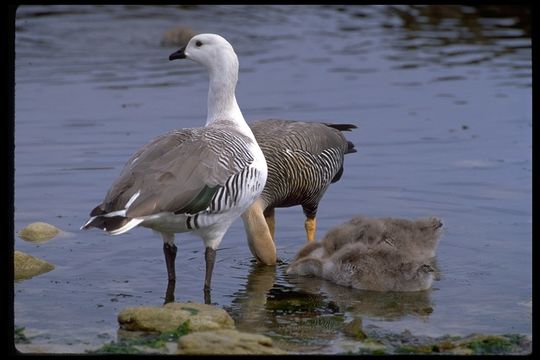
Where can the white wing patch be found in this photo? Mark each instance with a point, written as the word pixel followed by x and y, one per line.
pixel 128 226
pixel 88 222
pixel 132 199
pixel 115 213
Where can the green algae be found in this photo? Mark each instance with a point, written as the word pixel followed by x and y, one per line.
pixel 149 343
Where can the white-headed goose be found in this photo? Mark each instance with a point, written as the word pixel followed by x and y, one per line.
pixel 194 179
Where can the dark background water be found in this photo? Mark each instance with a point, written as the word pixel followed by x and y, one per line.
pixel 442 99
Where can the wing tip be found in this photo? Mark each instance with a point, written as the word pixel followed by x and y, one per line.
pixel 341 127
pixel 114 225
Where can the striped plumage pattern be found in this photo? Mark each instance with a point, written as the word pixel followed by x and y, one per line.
pixel 303 160
pixel 228 196
pixel 291 184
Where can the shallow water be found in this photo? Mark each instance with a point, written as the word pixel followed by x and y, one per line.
pixel 442 100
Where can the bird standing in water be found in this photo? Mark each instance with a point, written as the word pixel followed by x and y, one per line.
pixel 303 159
pixel 193 179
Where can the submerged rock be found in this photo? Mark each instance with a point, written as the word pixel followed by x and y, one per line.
pixel 168 317
pixel 177 36
pixel 354 329
pixel 27 266
pixel 226 342
pixel 39 232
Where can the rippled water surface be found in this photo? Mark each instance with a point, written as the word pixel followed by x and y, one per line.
pixel 442 100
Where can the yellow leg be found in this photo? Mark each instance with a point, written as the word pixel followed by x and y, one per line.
pixel 271 222
pixel 310 226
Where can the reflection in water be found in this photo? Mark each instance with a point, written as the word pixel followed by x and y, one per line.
pixel 171 286
pixel 306 313
pixel 413 35
pixel 252 300
pixel 470 18
pixel 434 88
pixel 450 36
pixel 384 305
pixel 169 293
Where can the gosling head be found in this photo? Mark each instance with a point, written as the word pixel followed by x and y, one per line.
pixel 308 260
pixel 306 266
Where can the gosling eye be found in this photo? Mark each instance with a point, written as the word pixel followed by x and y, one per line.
pixel 198 43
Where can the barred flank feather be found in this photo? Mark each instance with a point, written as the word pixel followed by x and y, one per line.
pixel 302 158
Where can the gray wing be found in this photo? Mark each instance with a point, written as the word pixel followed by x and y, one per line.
pixel 178 172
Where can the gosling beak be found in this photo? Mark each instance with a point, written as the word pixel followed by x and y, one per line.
pixel 180 54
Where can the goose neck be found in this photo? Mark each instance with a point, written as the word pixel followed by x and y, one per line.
pixel 222 104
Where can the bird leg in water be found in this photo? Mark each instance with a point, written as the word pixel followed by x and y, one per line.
pixel 169 293
pixel 310 226
pixel 207 296
pixel 269 216
pixel 210 258
pixel 170 256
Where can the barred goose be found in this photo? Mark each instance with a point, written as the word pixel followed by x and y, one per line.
pixel 303 159
pixel 195 179
pixel 374 254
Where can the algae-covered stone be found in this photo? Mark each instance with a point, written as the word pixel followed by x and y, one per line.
pixel 226 342
pixel 39 231
pixel 354 329
pixel 27 266
pixel 168 317
pixel 492 344
pixel 474 344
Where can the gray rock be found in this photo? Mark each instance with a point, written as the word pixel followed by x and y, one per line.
pixel 226 342
pixel 27 266
pixel 39 232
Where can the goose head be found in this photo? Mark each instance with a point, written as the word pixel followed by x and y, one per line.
pixel 210 50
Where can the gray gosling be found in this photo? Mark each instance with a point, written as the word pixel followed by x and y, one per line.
pixel 386 254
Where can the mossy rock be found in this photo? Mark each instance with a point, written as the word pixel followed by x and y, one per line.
pixel 489 344
pixel 475 344
pixel 19 336
pixel 27 266
pixel 144 343
pixel 226 342
pixel 168 317
pixel 354 329
pixel 380 341
pixel 38 232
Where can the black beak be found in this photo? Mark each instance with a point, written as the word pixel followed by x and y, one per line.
pixel 180 54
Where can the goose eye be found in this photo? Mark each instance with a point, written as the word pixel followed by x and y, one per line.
pixel 198 43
